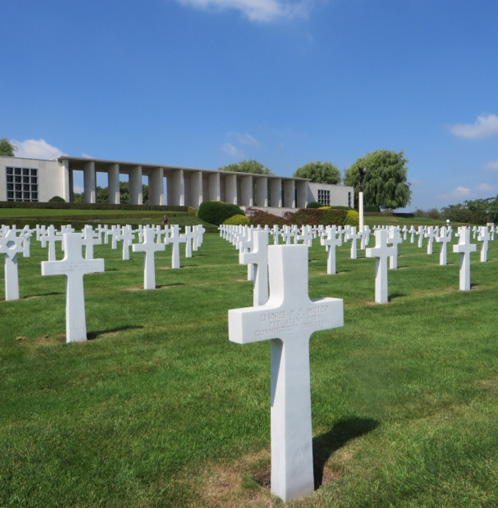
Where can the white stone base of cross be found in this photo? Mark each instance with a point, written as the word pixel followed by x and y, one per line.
pixel 288 319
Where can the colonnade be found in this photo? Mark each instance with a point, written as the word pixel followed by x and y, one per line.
pixel 186 187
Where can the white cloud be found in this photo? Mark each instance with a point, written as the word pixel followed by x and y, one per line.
pixel 484 127
pixel 86 156
pixel 36 149
pixel 491 166
pixel 232 151
pixel 244 139
pixel 460 193
pixel 256 10
pixel 485 188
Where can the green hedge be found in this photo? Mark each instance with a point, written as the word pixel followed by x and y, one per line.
pixel 91 206
pixel 217 212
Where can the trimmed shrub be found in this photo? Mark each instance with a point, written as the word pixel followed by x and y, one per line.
pixel 56 199
pixel 217 212
pixel 238 220
pixel 352 218
pixel 261 218
pixel 314 204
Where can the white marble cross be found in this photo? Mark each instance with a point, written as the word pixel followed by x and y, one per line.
pixel 484 237
pixel 381 252
pixel 258 257
pixel 275 233
pixel 26 235
pixel 288 319
pixel 175 240
pixel 420 233
pixel 50 237
pixel 412 234
pixel 90 239
pixel 73 266
pixel 149 247
pixel 394 238
pixel 306 236
pixel 189 235
pixel 444 238
pixel 126 236
pixel 11 245
pixel 353 236
pixel 464 248
pixel 430 234
pixel 330 242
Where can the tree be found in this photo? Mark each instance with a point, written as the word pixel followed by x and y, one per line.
pixel 319 172
pixel 6 147
pixel 250 166
pixel 385 183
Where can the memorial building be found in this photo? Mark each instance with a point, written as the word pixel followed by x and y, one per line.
pixel 38 180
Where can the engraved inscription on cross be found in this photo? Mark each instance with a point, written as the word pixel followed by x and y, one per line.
pixel 73 266
pixel 288 319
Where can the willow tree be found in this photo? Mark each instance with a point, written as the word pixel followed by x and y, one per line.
pixel 319 172
pixel 384 184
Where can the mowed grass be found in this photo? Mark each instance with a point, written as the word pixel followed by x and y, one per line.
pixel 159 409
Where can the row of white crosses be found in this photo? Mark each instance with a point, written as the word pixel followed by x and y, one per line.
pixel 74 266
pixel 387 240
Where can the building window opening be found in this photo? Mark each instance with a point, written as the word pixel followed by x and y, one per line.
pixel 324 197
pixel 22 184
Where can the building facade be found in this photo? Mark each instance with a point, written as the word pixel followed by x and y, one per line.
pixel 38 180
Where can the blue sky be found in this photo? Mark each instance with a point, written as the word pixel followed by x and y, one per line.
pixel 203 83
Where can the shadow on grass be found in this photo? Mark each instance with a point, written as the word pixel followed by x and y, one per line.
pixel 161 286
pixel 95 335
pixel 393 296
pixel 342 432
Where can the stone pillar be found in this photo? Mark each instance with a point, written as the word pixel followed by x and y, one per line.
pixel 214 187
pixel 289 194
pixel 246 191
pixel 176 188
pixel 231 189
pixel 66 181
pixel 71 186
pixel 302 193
pixel 276 192
pixel 90 182
pixel 262 191
pixel 156 187
pixel 113 181
pixel 136 197
pixel 196 194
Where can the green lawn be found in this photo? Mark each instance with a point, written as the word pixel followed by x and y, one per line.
pixel 159 409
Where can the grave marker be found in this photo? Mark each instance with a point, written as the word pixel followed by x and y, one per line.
pixel 258 258
pixel 464 248
pixel 381 252
pixel 288 319
pixel 149 247
pixel 74 267
pixel 11 245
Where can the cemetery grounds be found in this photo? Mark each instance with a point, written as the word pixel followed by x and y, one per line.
pixel 159 409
